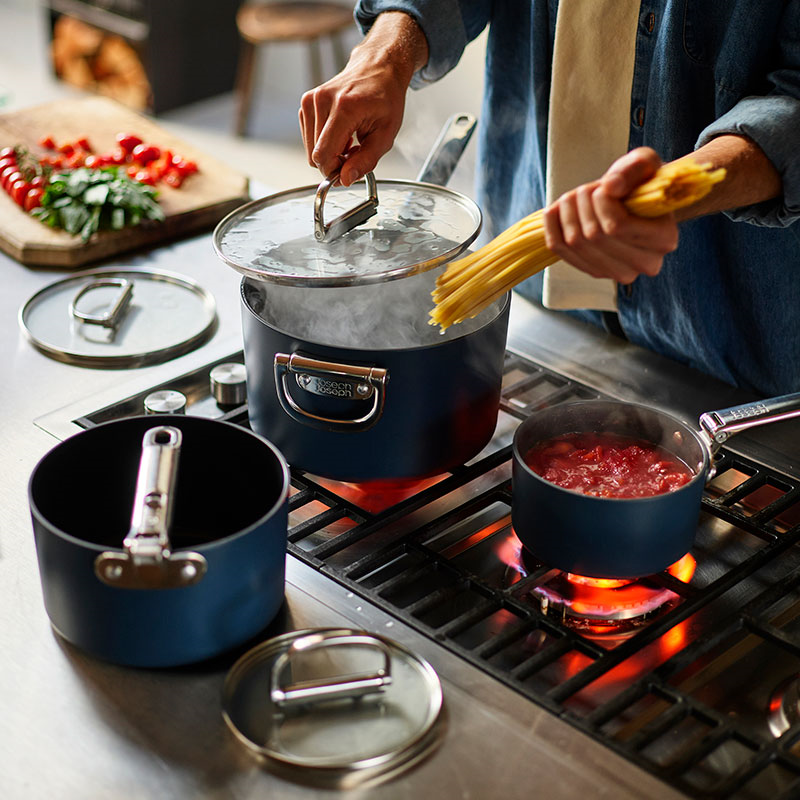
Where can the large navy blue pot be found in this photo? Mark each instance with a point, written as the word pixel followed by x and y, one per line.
pixel 606 537
pixel 230 507
pixel 402 410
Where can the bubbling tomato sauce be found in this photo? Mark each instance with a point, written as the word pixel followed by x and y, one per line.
pixel 608 465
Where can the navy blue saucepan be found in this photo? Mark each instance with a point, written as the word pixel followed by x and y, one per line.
pixel 161 540
pixel 604 537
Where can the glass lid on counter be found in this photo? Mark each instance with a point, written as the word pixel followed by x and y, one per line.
pixel 118 317
pixel 296 238
pixel 334 707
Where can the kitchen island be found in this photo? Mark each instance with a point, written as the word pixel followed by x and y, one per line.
pixel 77 728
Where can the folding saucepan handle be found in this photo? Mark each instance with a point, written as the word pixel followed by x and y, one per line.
pixel 147 561
pixel 330 379
pixel 716 427
pixel 347 220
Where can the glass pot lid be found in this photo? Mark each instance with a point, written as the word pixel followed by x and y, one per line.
pixel 334 707
pixel 295 238
pixel 117 317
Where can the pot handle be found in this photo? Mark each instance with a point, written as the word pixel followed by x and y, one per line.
pixel 147 561
pixel 349 219
pixel 330 379
pixel 716 427
pixel 317 690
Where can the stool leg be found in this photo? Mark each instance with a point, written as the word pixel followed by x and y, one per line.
pixel 244 85
pixel 316 62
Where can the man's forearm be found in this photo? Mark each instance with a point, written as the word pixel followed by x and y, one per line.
pixel 751 177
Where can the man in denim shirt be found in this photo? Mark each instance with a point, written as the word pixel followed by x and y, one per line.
pixel 719 78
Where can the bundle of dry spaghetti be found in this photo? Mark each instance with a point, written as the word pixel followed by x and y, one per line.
pixel 471 283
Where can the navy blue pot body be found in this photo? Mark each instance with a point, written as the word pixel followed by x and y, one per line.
pixel 441 401
pixel 230 505
pixel 606 537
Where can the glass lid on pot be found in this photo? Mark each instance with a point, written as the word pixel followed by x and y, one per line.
pixel 334 707
pixel 303 237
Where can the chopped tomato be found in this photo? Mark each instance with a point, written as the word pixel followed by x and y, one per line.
pixel 183 166
pixel 33 199
pixel 128 141
pixel 117 156
pixel 145 153
pixel 94 162
pixel 143 176
pixel 76 160
pixel 47 142
pixel 83 144
pixel 173 179
pixel 66 149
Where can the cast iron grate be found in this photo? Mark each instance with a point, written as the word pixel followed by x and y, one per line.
pixel 686 694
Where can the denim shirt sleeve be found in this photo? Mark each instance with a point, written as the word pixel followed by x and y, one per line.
pixel 772 121
pixel 448 25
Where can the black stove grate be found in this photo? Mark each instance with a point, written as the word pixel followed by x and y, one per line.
pixel 689 693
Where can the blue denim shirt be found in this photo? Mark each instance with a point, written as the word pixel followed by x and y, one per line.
pixel 728 300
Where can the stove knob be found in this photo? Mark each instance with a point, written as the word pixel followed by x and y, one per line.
pixel 228 384
pixel 165 401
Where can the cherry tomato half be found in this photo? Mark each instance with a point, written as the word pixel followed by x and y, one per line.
pixel 8 161
pixel 18 191
pixel 33 199
pixel 8 176
pixel 145 153
pixel 8 151
pixel 127 141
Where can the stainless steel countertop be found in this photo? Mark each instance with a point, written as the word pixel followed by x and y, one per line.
pixel 74 727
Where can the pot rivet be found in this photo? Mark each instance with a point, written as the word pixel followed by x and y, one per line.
pixel 113 572
pixel 303 379
pixel 362 389
pixel 189 571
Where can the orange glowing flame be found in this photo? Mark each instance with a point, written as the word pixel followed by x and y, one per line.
pixel 377 496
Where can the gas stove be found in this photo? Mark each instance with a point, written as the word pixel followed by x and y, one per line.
pixel 691 674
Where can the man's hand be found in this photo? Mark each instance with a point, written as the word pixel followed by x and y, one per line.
pixel 591 229
pixel 365 100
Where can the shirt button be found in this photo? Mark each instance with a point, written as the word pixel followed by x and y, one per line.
pixel 650 22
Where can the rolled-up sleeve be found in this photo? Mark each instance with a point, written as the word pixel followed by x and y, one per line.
pixel 773 123
pixel 448 25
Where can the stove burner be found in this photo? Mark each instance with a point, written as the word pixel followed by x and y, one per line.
pixel 784 706
pixel 376 496
pixel 604 606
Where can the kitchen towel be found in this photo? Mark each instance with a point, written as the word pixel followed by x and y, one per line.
pixel 589 119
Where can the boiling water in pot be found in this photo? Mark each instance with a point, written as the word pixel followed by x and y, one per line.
pixel 389 315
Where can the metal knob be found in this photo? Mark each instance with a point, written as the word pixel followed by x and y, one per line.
pixel 228 384
pixel 165 401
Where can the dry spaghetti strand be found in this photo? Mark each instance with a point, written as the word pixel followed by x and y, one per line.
pixel 471 283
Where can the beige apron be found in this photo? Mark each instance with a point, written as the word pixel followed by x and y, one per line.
pixel 589 121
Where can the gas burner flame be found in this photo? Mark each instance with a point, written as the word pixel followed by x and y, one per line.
pixel 378 495
pixel 604 606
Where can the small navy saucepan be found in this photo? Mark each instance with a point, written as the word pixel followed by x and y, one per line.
pixel 161 540
pixel 607 537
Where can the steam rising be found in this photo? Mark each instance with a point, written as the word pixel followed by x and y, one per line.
pixel 390 315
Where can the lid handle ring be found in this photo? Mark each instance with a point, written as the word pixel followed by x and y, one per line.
pixel 319 690
pixel 349 219
pixel 117 309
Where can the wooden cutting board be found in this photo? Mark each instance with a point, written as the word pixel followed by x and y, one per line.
pixel 203 199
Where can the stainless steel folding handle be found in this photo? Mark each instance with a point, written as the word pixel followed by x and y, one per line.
pixel 330 379
pixel 146 561
pixel 116 310
pixel 351 685
pixel 717 427
pixel 349 219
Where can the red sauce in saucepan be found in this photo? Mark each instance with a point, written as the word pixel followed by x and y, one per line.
pixel 608 465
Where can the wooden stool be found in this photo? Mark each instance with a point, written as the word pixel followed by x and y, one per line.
pixel 261 23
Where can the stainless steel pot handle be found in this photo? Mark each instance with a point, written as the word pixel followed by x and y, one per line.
pixel 330 379
pixel 147 561
pixel 349 219
pixel 716 427
pixel 113 316
pixel 322 689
